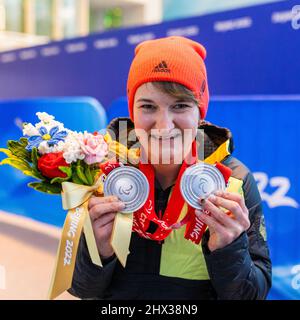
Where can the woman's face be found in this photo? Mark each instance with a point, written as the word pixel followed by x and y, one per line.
pixel 164 125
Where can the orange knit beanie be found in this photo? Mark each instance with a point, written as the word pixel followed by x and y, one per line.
pixel 175 59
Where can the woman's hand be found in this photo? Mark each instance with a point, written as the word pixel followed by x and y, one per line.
pixel 102 212
pixel 224 227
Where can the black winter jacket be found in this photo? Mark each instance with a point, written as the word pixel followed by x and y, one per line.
pixel 241 270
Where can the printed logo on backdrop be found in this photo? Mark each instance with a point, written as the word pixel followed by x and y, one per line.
pixel 286 278
pixel 296 17
pixel 279 197
pixel 233 24
pixel 296 277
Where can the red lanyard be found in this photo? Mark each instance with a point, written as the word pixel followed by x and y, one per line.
pixel 147 213
pixel 142 217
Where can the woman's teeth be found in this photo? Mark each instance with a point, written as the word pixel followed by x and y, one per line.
pixel 164 137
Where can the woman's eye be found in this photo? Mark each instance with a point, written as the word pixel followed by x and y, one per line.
pixel 147 107
pixel 181 106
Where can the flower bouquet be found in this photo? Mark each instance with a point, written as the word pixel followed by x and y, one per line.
pixel 69 163
pixel 53 154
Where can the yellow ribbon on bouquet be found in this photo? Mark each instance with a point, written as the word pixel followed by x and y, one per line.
pixel 75 199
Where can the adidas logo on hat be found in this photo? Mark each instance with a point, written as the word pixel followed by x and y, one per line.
pixel 161 67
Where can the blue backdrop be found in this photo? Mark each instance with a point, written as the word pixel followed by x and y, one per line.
pixel 253 68
pixel 250 51
pixel 265 133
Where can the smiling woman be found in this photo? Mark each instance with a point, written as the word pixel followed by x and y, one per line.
pixel 166 121
pixel 168 100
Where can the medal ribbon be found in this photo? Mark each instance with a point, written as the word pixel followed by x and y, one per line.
pixel 147 213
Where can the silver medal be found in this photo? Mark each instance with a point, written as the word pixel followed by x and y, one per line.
pixel 199 181
pixel 130 185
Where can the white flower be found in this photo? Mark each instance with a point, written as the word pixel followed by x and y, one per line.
pixel 50 125
pixel 72 150
pixel 48 122
pixel 44 147
pixel 45 117
pixel 30 130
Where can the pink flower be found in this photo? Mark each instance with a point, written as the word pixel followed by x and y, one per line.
pixel 93 146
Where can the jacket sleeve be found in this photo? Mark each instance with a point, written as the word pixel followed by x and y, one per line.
pixel 242 269
pixel 89 280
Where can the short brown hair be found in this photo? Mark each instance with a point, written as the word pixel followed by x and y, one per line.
pixel 176 90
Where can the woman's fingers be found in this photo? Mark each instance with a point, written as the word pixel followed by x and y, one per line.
pixel 96 200
pixel 103 234
pixel 236 197
pixel 220 236
pixel 100 209
pixel 230 205
pixel 106 219
pixel 224 227
pixel 106 230
pixel 220 216
pixel 235 205
pixel 210 221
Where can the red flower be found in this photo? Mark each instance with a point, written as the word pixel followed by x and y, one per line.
pixel 48 165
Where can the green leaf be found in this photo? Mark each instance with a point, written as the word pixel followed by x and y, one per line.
pixel 7 152
pixel 94 173
pixel 34 158
pixel 21 165
pixel 38 174
pixel 18 149
pixel 33 174
pixel 88 175
pixel 16 163
pixel 34 168
pixel 66 170
pixel 46 187
pixel 80 173
pixel 59 180
pixel 76 179
pixel 23 141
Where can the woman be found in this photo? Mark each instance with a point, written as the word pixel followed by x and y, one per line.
pixel 167 96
